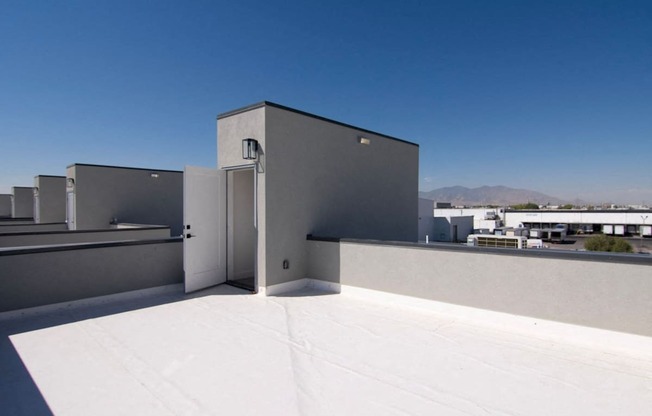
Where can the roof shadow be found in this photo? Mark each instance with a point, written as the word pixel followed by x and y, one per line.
pixel 19 394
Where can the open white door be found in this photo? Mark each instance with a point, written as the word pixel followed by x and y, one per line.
pixel 204 218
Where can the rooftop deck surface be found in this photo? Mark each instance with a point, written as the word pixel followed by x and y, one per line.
pixel 225 352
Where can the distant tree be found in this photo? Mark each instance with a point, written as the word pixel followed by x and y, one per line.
pixel 567 206
pixel 606 243
pixel 529 205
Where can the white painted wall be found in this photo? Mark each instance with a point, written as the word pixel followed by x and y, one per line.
pixel 444 228
pixel 599 294
pixel 479 215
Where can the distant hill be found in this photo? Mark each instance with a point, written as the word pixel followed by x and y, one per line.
pixel 489 195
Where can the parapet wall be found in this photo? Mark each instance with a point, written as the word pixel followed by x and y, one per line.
pixel 611 292
pixel 42 276
pixel 10 227
pixel 37 238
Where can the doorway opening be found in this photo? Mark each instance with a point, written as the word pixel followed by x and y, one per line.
pixel 37 206
pixel 241 229
pixel 70 210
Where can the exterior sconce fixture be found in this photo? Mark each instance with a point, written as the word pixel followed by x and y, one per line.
pixel 153 175
pixel 363 140
pixel 35 191
pixel 249 149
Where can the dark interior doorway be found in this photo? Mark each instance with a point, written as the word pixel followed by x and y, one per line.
pixel 241 243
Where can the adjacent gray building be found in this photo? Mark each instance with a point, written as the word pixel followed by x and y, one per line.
pixel 311 175
pixel 5 205
pixel 22 202
pixel 99 196
pixel 49 199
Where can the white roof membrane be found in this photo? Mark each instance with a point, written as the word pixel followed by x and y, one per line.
pixel 307 353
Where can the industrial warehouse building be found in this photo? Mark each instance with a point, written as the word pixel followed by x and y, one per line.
pixel 453 229
pixel 614 222
pixel 618 222
pixel 483 218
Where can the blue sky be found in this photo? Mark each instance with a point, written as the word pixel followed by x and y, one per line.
pixel 550 96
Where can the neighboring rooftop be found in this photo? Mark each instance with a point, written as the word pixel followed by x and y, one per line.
pixel 222 351
pixel 123 167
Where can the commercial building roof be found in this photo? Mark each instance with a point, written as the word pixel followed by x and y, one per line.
pixel 306 353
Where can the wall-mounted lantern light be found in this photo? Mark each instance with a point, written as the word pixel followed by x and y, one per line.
pixel 363 140
pixel 153 175
pixel 249 149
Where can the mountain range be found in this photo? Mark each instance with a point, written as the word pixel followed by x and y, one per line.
pixel 489 195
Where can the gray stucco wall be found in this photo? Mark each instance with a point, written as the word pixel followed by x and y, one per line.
pixel 22 203
pixel 321 180
pixel 50 205
pixel 130 195
pixel 230 132
pixel 5 205
pixel 601 294
pixel 37 277
pixel 426 219
pixel 315 177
